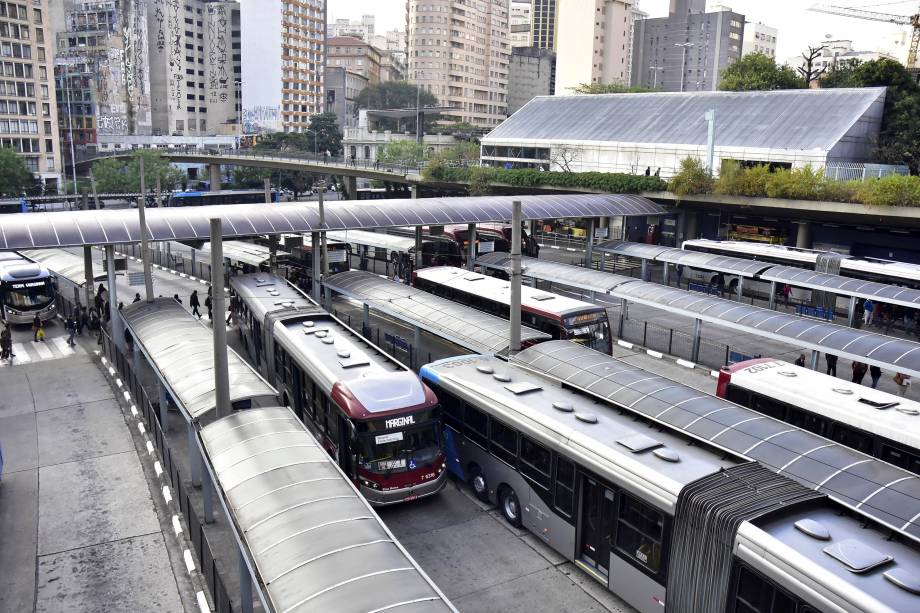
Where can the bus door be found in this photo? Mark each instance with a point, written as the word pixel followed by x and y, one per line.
pixel 298 390
pixel 597 508
pixel 347 460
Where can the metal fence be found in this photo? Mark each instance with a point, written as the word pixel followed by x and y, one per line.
pixel 150 412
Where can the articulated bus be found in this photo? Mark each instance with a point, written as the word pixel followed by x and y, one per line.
pixel 26 289
pixel 374 416
pixel 229 196
pixel 648 511
pixel 869 420
pixel 559 316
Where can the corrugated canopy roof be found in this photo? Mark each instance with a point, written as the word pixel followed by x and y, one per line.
pixel 462 325
pixel 800 119
pixel 182 350
pixel 315 543
pixel 73 228
pixel 681 257
pixel 63 264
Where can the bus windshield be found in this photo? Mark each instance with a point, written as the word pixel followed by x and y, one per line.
pixel 399 450
pixel 29 294
pixel 593 334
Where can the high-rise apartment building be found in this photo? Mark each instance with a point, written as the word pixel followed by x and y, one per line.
pixel 759 38
pixel 688 49
pixel 284 56
pixel 362 28
pixel 544 18
pixel 28 121
pixel 521 23
pixel 592 43
pixel 532 73
pixel 354 55
pixel 459 51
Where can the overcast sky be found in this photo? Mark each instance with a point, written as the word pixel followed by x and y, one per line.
pixel 798 27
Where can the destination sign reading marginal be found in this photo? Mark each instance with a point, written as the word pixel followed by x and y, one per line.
pixel 400 422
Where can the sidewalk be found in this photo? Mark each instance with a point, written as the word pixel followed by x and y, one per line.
pixel 79 529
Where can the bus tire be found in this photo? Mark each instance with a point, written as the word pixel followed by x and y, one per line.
pixel 478 483
pixel 510 506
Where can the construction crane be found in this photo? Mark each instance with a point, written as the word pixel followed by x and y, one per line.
pixel 901 20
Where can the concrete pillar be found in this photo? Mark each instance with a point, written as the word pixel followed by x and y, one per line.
pixel 245 586
pixel 88 281
pixel 471 245
pixel 667 273
pixel 773 295
pixel 366 319
pixel 142 219
pixel 418 247
pixel 413 189
pixel 194 455
pixel 803 236
pixel 851 312
pixel 84 200
pixel 92 182
pixel 117 329
pixel 315 254
pixel 697 332
pixel 515 333
pixel 267 185
pixel 219 324
pixel 589 244
pixel 273 253
pixel 622 322
pixel 740 289
pixel 416 347
pixel 214 176
pixel 814 359
pixel 692 217
pixel 645 270
pixel 351 187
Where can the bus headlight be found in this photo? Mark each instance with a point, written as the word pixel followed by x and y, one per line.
pixel 368 483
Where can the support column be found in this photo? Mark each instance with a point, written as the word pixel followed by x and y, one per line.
pixel 803 236
pixel 814 359
pixel 145 251
pixel 697 332
pixel 245 586
pixel 214 176
pixel 351 187
pixel 273 253
pixel 515 333
pixel 324 251
pixel 315 285
pixel 418 247
pixel 366 319
pixel 88 280
pixel 471 245
pixel 691 225
pixel 589 244
pixel 667 273
pixel 118 336
pixel 194 455
pixel 221 375
pixel 773 295
pixel 267 183
pixel 164 407
pixel 851 312
pixel 622 322
pixel 416 347
pixel 740 288
pixel 644 270
pixel 92 182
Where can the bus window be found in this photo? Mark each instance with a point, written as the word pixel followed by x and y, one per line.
pixel 453 408
pixel 564 494
pixel 807 421
pixel 901 458
pixel 477 426
pixel 640 533
pixel 535 463
pixel 756 595
pixel 851 437
pixel 769 406
pixel 504 443
pixel 740 396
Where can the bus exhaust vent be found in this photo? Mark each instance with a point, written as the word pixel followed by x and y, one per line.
pixel 565 407
pixel 706 520
pixel 355 362
pixel 588 418
pixel 638 442
pixel 344 354
pixel 542 297
pixel 473 278
pixel 904 579
pixel 856 555
pixel 485 369
pixel 500 376
pixel 814 529
pixel 309 324
pixel 668 455
pixel 523 388
pixel 328 340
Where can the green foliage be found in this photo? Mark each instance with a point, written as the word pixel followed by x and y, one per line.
pixel 15 178
pixel 899 140
pixel 609 88
pixel 250 177
pixel 396 95
pixel 893 190
pixel 325 132
pixel 595 181
pixel 480 179
pixel 691 179
pixel 119 175
pixel 841 74
pixel 328 134
pixel 461 153
pixel 757 72
pixel 406 152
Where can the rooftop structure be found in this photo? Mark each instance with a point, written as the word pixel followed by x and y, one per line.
pixel 632 132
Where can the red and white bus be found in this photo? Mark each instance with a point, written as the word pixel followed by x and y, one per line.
pixel 559 316
pixel 372 414
pixel 869 420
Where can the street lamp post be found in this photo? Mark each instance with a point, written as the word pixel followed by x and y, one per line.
pixel 418 110
pixel 656 69
pixel 315 137
pixel 683 61
pixel 73 160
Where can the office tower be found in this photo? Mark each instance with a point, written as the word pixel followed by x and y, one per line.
pixel 592 43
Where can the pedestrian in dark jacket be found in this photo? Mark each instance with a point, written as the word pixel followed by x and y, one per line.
pixel 71 326
pixel 193 302
pixel 859 372
pixel 210 306
pixel 36 326
pixel 875 373
pixel 831 364
pixel 6 343
pixel 137 298
pixel 800 361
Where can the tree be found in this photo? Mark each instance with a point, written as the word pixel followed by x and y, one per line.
pixel 841 74
pixel 692 179
pixel 250 177
pixel 758 72
pixel 405 152
pixel 118 176
pixel 563 157
pixel 899 138
pixel 807 70
pixel 461 154
pixel 397 95
pixel 609 88
pixel 15 178
pixel 327 133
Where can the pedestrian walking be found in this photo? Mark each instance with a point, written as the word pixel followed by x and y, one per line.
pixel 787 290
pixel 868 307
pixel 831 360
pixel 71 326
pixel 36 326
pixel 193 302
pixel 137 298
pixel 648 171
pixel 79 318
pixel 40 333
pixel 209 304
pixel 6 343
pixel 875 373
pixel 800 361
pixel 903 383
pixel 859 372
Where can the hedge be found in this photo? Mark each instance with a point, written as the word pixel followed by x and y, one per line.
pixel 613 183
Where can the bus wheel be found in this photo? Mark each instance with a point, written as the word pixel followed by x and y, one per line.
pixel 479 484
pixel 510 506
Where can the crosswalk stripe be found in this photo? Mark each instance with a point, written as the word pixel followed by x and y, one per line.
pixel 61 343
pixel 22 356
pixel 43 351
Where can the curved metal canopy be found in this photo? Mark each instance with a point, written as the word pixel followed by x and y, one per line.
pixel 72 228
pixel 462 325
pixel 845 286
pixel 63 264
pixel 680 257
pixel 869 486
pixel 886 352
pixel 182 351
pixel 314 542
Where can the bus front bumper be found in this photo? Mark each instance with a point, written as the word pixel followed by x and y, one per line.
pixel 380 498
